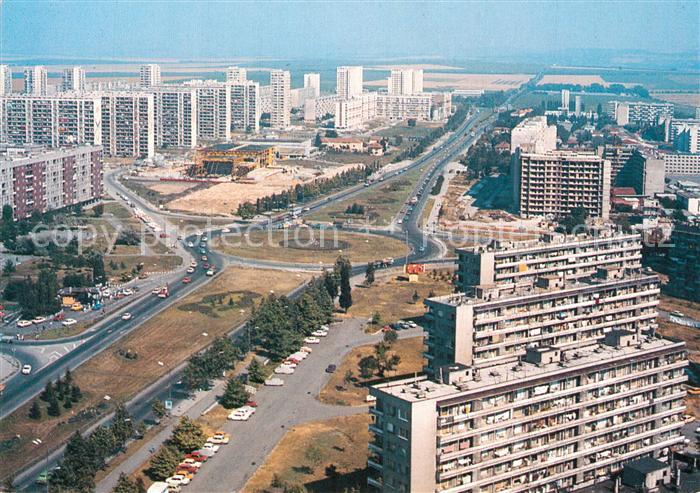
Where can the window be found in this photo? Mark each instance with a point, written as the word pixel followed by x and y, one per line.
pixel 403 414
pixel 403 433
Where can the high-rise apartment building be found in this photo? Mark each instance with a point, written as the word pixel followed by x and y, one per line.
pixel 5 80
pixel 517 263
pixel 565 99
pixel 73 79
pixel 313 81
pixel 684 262
pixel 578 105
pixel 534 135
pixel 237 75
pixel 680 163
pixel 639 113
pixel 685 135
pixel 643 171
pixel 51 121
pixel 280 82
pixel 348 81
pixel 559 181
pixel 405 81
pixel 47 179
pixel 36 81
pixel 149 75
pixel 174 116
pixel 245 106
pixel 558 419
pixel 618 155
pixel 213 109
pixel 403 107
pixel 128 124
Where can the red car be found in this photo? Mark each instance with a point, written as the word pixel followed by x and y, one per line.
pixel 206 266
pixel 197 457
pixel 186 280
pixel 251 404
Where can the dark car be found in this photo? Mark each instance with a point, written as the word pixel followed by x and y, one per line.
pixel 331 368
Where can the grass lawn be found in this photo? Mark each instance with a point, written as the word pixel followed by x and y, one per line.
pixel 117 210
pixel 420 130
pixel 340 442
pixel 426 212
pixel 381 205
pixel 338 392
pixel 170 338
pixel 393 297
pixel 307 245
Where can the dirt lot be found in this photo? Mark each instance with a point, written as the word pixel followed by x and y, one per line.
pixel 393 297
pixel 688 308
pixel 486 82
pixel 224 198
pixel 307 245
pixel 340 442
pixel 170 337
pixel 689 335
pixel 166 188
pixel 338 392
pixel 687 99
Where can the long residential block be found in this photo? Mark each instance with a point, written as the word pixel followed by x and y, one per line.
pixel 557 420
pixel 517 263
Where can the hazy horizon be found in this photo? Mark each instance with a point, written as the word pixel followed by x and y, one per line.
pixel 664 34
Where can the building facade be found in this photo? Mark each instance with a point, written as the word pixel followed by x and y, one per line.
pixel 36 81
pixel 348 81
pixel 352 113
pixel 517 263
pixel 684 262
pixel 236 75
pixel 681 163
pixel 149 75
pixel 557 420
pixel 313 81
pixel 213 109
pixel 73 79
pixel 51 121
pixel 405 82
pixel 404 107
pixel 175 116
pixel 685 135
pixel 5 80
pixel 281 99
pixel 128 124
pixel 645 172
pixel 245 107
pixel 534 135
pixel 48 179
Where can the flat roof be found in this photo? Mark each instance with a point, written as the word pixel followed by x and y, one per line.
pixel 422 389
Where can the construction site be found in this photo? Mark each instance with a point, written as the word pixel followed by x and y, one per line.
pixel 231 160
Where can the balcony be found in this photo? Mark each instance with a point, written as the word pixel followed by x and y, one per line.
pixel 376 482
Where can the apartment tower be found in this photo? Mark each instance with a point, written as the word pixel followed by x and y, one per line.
pixel 281 99
pixel 348 81
pixel 5 80
pixel 313 81
pixel 149 75
pixel 36 81
pixel 73 79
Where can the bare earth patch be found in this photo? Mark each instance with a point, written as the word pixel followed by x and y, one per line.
pixel 583 80
pixel 341 442
pixel 486 82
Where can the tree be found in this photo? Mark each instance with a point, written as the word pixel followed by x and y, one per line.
pixel 75 393
pixel 98 268
pixel 390 337
pixel 575 220
pixel 164 463
pixel 35 411
pixel 53 409
pixel 235 394
pixel 126 485
pixel 415 297
pixel 330 282
pixel 386 361
pixel 98 210
pixel 48 393
pixel 369 274
pixel 8 484
pixel 158 408
pixel 347 378
pixel 188 435
pixel 368 365
pixel 376 318
pixel 102 439
pixel 8 268
pixel 8 232
pixel 344 267
pixel 122 426
pixel 255 372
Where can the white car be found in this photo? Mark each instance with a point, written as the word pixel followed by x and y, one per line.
pixel 305 349
pixel 190 244
pixel 284 370
pixel 190 270
pixel 128 292
pixel 274 382
pixel 319 333
pixel 38 320
pixel 155 290
pixel 69 321
pixel 24 323
pixel 219 439
pixel 26 369
pixel 126 316
pixel 210 272
pixel 241 414
pixel 193 264
pixel 226 230
pixel 209 447
pixel 177 480
pixel 312 340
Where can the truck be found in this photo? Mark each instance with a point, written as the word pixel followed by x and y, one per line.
pixel 164 292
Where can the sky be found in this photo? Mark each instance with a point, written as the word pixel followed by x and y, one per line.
pixel 120 29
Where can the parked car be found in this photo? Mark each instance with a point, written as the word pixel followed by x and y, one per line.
pixel 221 438
pixel 209 448
pixel 38 320
pixel 177 480
pixel 319 333
pixel 26 369
pixel 190 244
pixel 274 382
pixel 676 313
pixel 23 323
pixel 190 270
pixel 186 280
pixel 210 272
pixel 126 316
pixel 69 321
pixel 241 414
pixel 191 462
pixel 331 368
pixel 284 370
pixel 306 349
pixel 226 230
pixel 312 340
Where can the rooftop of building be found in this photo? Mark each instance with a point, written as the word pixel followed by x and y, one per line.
pixel 551 241
pixel 15 153
pixel 243 147
pixel 469 380
pixel 488 294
